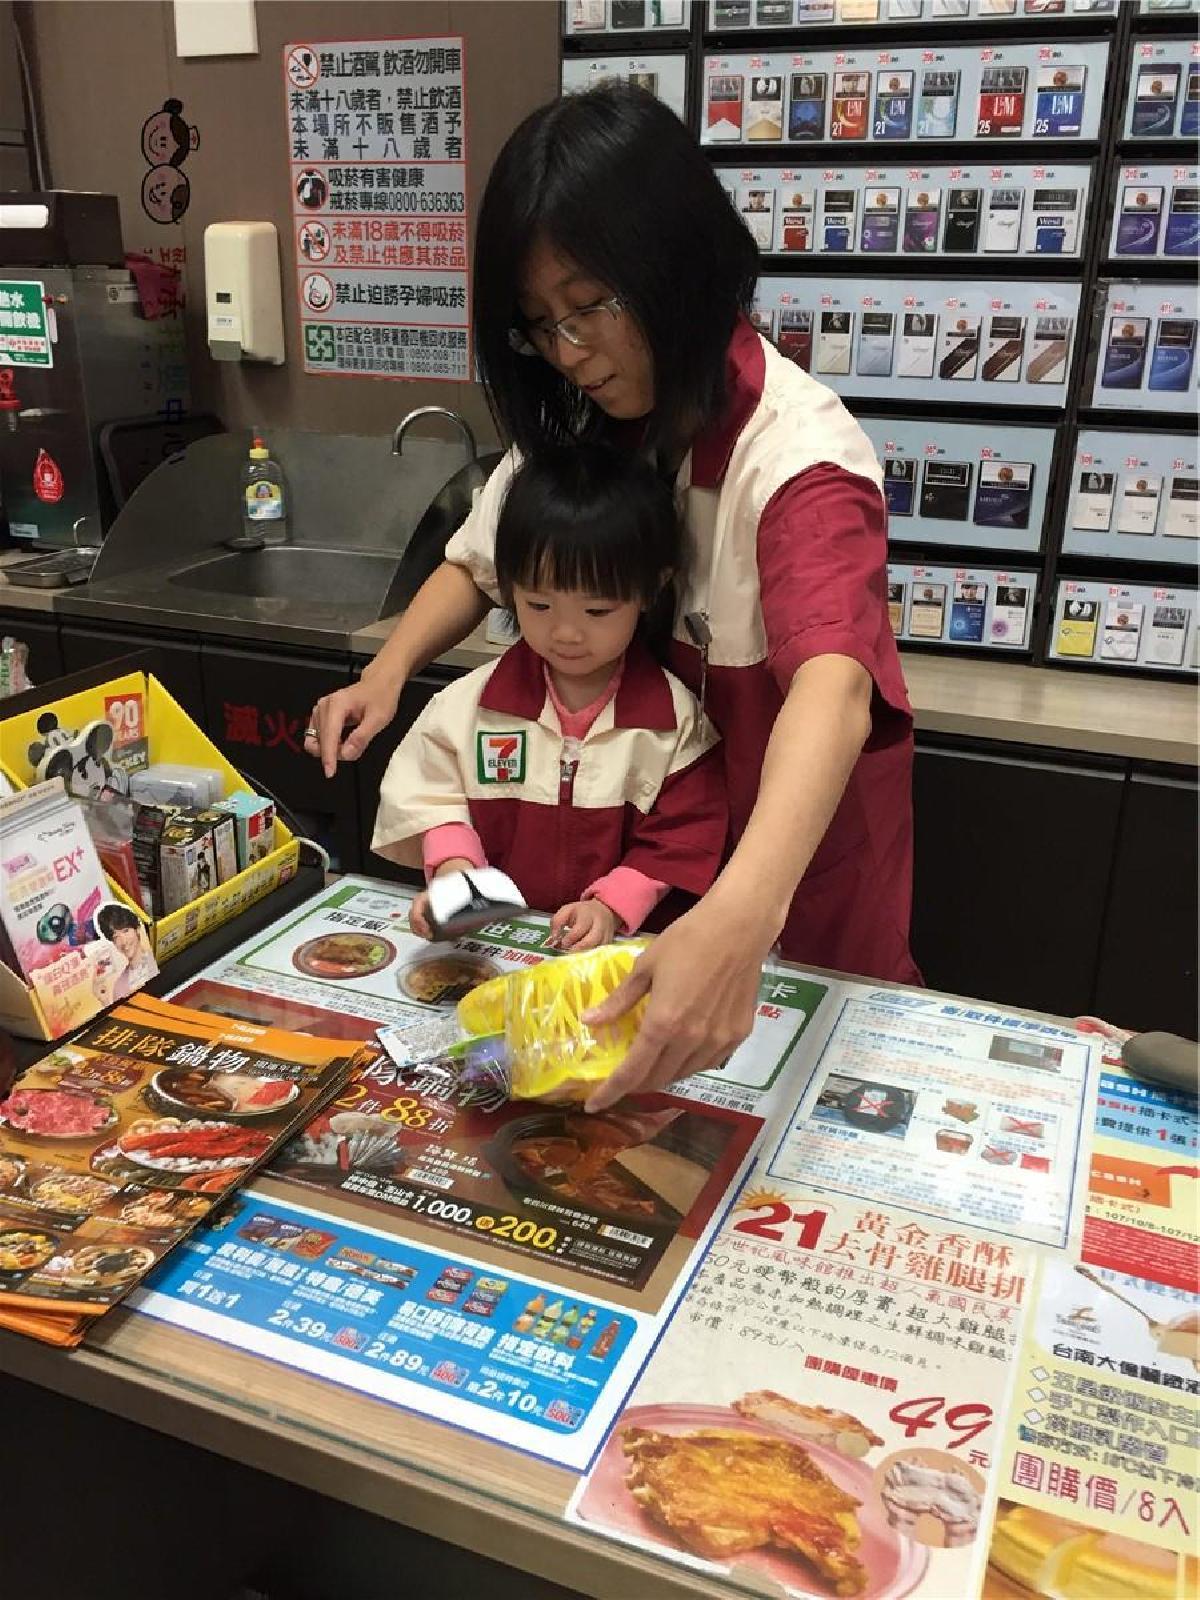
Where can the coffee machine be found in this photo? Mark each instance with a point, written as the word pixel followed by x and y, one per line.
pixel 77 352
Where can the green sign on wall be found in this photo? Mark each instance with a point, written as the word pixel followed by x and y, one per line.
pixel 24 325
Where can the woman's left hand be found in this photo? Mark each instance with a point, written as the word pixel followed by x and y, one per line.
pixel 703 977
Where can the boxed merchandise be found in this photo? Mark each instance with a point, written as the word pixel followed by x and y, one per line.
pixel 167 783
pixel 224 833
pixel 187 861
pixel 141 713
pixel 254 825
pixel 148 825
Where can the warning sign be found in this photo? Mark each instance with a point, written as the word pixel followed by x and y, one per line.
pixel 377 133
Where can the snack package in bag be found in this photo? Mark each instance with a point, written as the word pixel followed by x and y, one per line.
pixel 550 1053
pixel 521 1036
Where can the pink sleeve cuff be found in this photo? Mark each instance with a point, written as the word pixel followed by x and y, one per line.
pixel 449 840
pixel 628 892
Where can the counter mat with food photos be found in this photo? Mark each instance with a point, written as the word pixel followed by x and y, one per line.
pixel 448 1228
pixel 866 1392
pixel 116 1144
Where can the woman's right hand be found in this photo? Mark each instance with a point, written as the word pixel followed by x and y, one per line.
pixel 343 724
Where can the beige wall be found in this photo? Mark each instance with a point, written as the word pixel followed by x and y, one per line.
pixel 103 66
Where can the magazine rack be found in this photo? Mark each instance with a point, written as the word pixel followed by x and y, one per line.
pixel 172 736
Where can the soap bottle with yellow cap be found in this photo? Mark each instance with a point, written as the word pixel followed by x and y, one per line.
pixel 264 498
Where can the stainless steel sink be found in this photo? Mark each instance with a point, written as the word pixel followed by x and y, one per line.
pixel 295 572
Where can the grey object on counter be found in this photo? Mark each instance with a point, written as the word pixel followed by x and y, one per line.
pixel 365 530
pixel 1163 1058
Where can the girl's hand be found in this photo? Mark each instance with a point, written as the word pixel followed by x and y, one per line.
pixel 418 916
pixel 582 925
pixel 703 977
pixel 342 724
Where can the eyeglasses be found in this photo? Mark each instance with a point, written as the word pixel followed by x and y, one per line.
pixel 580 328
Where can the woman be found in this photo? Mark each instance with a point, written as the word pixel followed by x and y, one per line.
pixel 612 285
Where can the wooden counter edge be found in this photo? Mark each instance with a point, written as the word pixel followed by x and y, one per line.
pixel 556 1551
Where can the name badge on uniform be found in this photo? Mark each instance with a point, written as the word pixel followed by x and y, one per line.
pixel 500 757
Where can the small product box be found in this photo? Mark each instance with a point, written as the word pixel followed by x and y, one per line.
pixel 254 823
pixel 187 861
pixel 148 824
pixel 224 833
pixel 167 783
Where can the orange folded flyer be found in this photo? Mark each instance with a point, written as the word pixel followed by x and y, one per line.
pixel 116 1144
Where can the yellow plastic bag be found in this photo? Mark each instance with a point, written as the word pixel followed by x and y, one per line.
pixel 552 1053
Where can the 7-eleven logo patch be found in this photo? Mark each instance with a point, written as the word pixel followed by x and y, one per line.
pixel 500 757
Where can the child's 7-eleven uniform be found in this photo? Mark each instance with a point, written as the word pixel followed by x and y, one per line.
pixel 624 800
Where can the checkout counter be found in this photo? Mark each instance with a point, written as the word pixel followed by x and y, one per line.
pixel 300 1425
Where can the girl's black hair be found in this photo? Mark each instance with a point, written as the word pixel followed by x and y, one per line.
pixel 613 180
pixel 591 519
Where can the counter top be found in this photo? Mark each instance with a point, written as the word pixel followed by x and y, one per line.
pixel 1091 712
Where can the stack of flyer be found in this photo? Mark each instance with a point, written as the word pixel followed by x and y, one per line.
pixel 61 930
pixel 114 1146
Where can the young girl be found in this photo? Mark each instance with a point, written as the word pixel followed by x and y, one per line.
pixel 575 763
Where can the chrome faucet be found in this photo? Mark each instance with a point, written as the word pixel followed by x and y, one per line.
pixel 435 411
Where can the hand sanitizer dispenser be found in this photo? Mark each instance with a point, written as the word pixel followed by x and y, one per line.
pixel 242 291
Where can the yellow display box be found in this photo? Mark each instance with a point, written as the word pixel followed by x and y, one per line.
pixel 172 736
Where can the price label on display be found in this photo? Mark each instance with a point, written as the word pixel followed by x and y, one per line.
pixel 962 1422
pixel 1086 458
pixel 885 58
pixel 931 450
pixel 987 54
pixel 1046 54
pixel 986 453
pixel 839 60
pixel 1178 464
pixel 1132 461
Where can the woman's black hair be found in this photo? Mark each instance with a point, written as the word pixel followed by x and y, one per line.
pixel 591 519
pixel 614 181
pixel 111 919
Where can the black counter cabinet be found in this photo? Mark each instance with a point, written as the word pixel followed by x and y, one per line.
pixel 40 636
pixel 175 658
pixel 1065 884
pixel 258 703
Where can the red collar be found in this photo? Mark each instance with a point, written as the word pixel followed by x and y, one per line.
pixel 517 688
pixel 745 374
